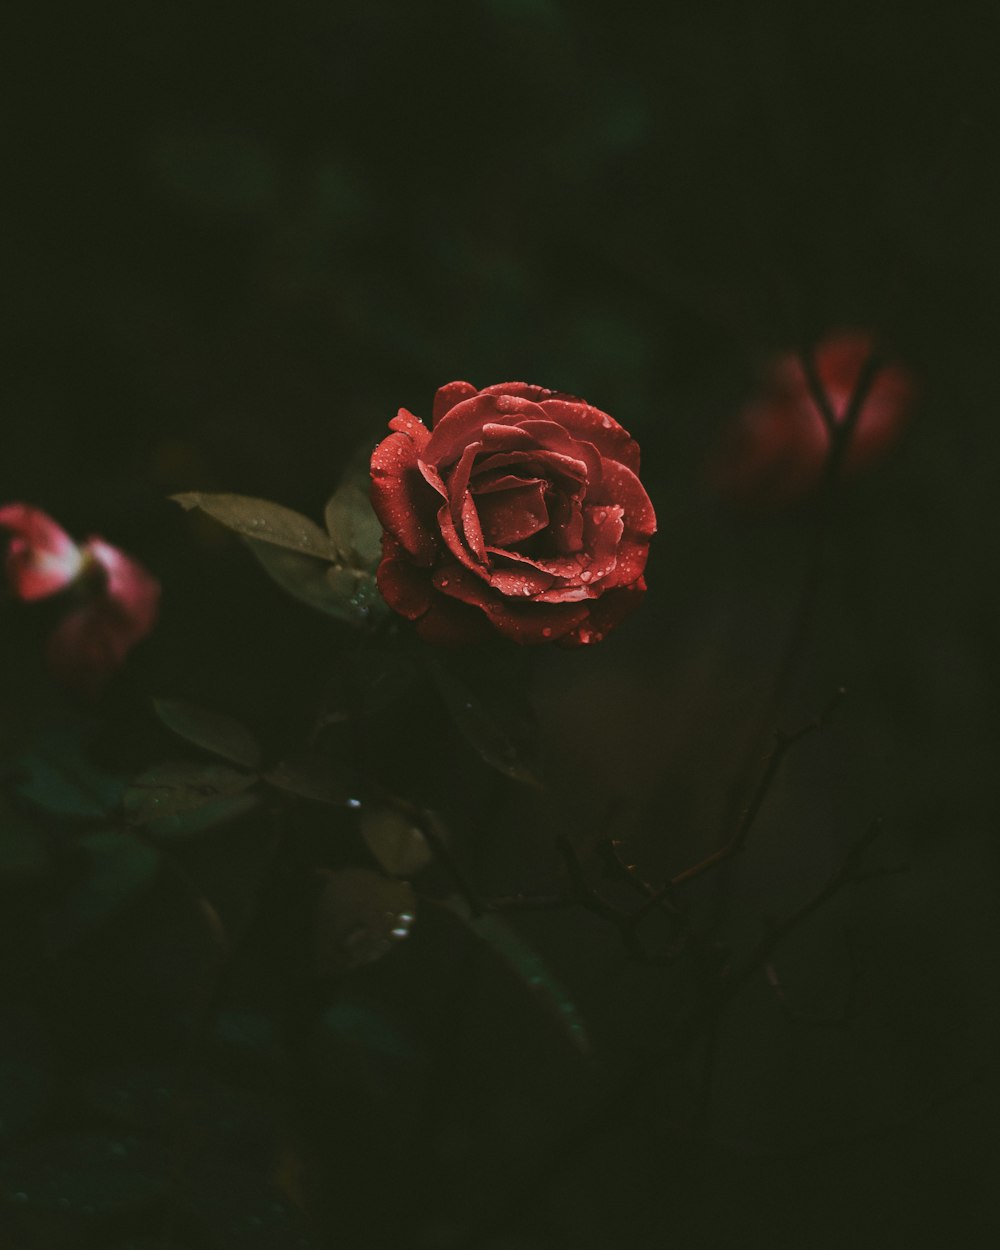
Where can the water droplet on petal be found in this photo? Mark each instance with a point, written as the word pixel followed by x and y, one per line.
pixel 606 422
pixel 586 575
pixel 547 632
pixel 444 581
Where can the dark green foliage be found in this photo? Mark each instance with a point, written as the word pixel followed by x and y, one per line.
pixel 214 732
pixel 179 798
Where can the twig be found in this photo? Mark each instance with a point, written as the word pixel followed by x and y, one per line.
pixel 839 430
pixel 776 933
pixel 784 742
pixel 836 1019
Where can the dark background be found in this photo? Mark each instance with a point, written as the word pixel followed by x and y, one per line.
pixel 238 237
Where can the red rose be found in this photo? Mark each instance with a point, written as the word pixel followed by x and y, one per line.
pixel 774 452
pixel 520 513
pixel 116 599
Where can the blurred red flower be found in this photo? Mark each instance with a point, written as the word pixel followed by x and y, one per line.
pixel 116 599
pixel 774 453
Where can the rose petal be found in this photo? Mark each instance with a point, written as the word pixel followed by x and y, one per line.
pixel 564 568
pixel 630 561
pixel 404 587
pixel 402 500
pixel 406 423
pixel 472 529
pixel 554 438
pixel 605 614
pixel 510 515
pixel 42 559
pixel 455 542
pixel 486 483
pixel 92 641
pixel 621 486
pixel 538 623
pixel 451 623
pixel 130 586
pixel 524 623
pixel 566 528
pixel 450 395
pixel 525 390
pixel 523 582
pixel 586 422
pixel 89 644
pixel 538 462
pixel 465 422
pixel 458 482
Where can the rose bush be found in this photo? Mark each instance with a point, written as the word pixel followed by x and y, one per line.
pixel 774 451
pixel 520 512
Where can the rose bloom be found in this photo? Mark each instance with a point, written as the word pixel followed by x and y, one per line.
pixel 774 453
pixel 114 600
pixel 520 513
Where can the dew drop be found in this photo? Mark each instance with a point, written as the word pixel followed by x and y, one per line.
pixel 586 575
pixel 547 632
pixel 600 517
pixel 444 581
pixel 354 803
pixel 606 422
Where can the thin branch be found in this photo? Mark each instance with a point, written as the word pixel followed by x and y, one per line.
pixel 775 933
pixel 835 1019
pixel 840 430
pixel 783 744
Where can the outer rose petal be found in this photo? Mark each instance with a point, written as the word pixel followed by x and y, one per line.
pixel 606 613
pixel 450 395
pixel 404 587
pixel 92 641
pixel 463 424
pixel 42 559
pixel 621 486
pixel 401 498
pixel 130 587
pixel 585 422
pixel 89 644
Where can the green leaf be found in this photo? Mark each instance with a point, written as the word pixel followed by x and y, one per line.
pixel 359 918
pixel 480 724
pixel 57 775
pixel 212 731
pixel 311 779
pixel 86 1174
pixel 528 966
pixel 261 521
pixel 120 867
pixel 395 839
pixel 351 521
pixel 180 798
pixel 346 594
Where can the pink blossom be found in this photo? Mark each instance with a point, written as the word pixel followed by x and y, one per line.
pixel 114 604
pixel 41 557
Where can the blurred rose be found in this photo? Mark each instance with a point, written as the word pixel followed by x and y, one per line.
pixel 115 600
pixel 775 451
